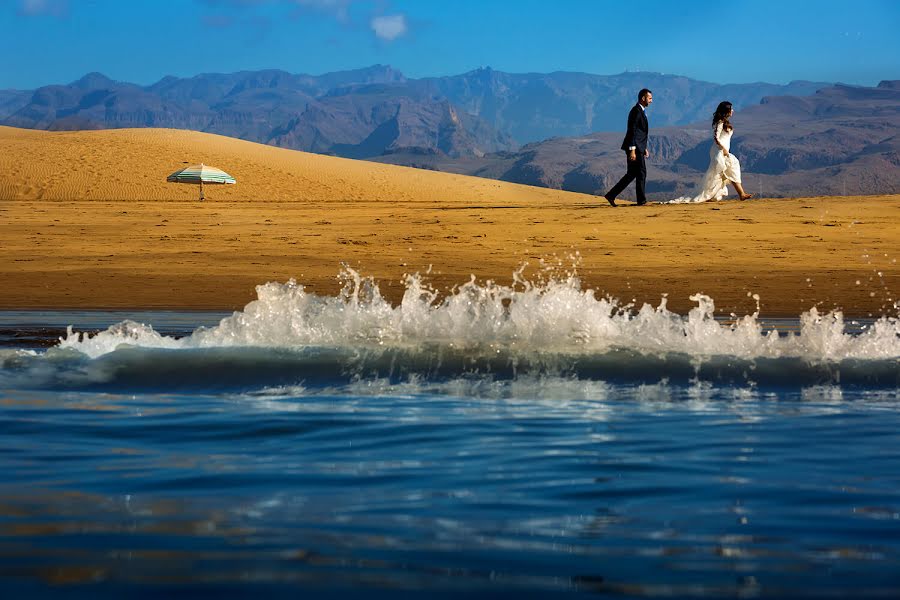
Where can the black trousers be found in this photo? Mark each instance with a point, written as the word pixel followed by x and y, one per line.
pixel 637 172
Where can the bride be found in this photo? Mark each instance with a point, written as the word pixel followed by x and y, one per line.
pixel 724 167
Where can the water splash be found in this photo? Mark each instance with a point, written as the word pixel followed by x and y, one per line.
pixel 556 316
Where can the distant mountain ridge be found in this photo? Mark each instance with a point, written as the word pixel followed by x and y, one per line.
pixel 377 111
pixel 559 130
pixel 840 140
pixel 533 107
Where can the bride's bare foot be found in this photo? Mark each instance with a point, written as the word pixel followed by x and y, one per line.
pixel 746 196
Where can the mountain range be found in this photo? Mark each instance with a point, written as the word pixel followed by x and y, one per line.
pixel 374 111
pixel 547 129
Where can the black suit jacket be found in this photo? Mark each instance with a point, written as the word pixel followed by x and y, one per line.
pixel 638 129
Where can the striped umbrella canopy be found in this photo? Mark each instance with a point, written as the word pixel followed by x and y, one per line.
pixel 202 174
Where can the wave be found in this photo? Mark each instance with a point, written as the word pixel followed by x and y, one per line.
pixel 557 329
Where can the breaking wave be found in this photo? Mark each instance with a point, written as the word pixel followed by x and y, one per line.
pixel 558 329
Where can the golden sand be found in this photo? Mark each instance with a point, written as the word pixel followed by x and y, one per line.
pixel 87 220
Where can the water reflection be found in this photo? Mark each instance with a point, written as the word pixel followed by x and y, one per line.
pixel 75 538
pixel 556 487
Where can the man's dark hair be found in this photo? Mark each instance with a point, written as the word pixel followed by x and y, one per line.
pixel 643 93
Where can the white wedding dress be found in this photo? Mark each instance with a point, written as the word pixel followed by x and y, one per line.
pixel 722 171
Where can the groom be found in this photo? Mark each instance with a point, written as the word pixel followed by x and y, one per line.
pixel 635 147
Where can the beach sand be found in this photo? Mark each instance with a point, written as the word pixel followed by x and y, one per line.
pixel 87 220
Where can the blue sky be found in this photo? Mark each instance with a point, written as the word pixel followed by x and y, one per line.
pixel 58 41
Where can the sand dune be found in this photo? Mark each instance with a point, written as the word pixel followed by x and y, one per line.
pixel 132 164
pixel 87 220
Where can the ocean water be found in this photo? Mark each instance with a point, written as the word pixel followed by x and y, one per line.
pixel 502 441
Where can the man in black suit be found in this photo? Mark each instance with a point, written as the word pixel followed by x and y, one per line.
pixel 635 147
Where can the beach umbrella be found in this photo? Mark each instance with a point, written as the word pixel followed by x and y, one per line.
pixel 202 174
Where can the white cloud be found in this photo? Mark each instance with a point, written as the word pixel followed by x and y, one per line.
pixel 389 27
pixel 347 12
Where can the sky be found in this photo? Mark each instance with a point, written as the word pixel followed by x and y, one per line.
pixel 46 42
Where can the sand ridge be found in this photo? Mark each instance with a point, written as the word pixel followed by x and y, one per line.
pixel 132 164
pixel 88 221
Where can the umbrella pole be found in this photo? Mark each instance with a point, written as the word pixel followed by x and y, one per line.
pixel 202 197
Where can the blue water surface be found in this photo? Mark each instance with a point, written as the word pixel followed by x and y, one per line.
pixel 279 473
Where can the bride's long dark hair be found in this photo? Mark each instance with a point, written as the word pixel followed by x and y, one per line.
pixel 721 116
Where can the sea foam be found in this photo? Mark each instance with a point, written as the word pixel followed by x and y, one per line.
pixel 558 316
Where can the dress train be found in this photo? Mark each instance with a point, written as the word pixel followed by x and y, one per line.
pixel 722 171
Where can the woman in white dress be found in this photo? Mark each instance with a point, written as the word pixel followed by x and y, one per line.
pixel 724 167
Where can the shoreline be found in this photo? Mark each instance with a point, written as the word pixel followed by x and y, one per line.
pixel 187 256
